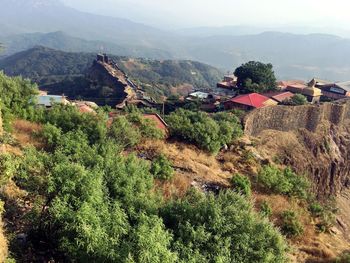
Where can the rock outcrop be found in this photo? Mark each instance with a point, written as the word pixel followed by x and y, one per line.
pixel 314 140
pixel 288 118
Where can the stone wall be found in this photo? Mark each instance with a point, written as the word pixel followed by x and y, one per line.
pixel 314 140
pixel 289 118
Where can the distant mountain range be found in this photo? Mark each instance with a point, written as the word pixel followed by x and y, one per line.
pixel 28 23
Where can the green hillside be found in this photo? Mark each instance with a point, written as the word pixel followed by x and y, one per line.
pixel 64 71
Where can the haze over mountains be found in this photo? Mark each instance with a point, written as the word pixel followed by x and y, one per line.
pixel 28 23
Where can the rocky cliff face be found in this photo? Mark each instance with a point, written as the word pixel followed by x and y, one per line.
pixel 109 81
pixel 313 139
pixel 287 118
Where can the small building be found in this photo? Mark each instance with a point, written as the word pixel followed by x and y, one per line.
pixel 160 123
pixel 249 102
pixel 336 91
pixel 319 83
pixel 198 95
pixel 230 78
pixel 279 96
pixel 282 85
pixel 312 94
pixel 229 82
pixel 48 100
pixel 43 92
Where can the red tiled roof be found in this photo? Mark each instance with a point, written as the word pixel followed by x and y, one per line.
pixel 253 99
pixel 86 109
pixel 283 96
pixel 161 124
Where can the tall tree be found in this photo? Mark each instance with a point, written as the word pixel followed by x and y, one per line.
pixel 255 76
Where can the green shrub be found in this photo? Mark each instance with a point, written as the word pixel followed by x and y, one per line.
pixel 265 209
pixel 283 181
pixel 316 209
pixel 291 226
pixel 124 132
pixel 241 184
pixel 51 134
pixel 16 98
pixel 344 258
pixel 222 228
pixel 208 133
pixel 147 127
pixel 8 166
pixel 162 168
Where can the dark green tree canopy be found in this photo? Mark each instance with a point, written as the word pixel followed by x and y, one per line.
pixel 256 76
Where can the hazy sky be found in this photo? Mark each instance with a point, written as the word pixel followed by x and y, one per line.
pixel 188 13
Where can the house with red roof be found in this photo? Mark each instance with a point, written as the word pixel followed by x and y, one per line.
pixel 249 102
pixel 279 96
pixel 158 121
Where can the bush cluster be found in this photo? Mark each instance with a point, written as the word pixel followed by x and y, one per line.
pixel 207 132
pixel 92 202
pixel 291 225
pixel 284 182
pixel 241 184
pixel 162 168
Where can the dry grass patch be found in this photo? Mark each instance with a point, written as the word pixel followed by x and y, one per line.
pixel 188 160
pixel 24 132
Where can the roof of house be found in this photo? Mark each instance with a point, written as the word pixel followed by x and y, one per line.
pixel 86 109
pixel 199 94
pixel 282 96
pixel 161 124
pixel 47 100
pixel 296 88
pixel 316 81
pixel 253 99
pixel 344 85
pixel 314 92
pixel 285 83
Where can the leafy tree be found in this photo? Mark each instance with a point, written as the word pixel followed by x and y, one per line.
pixel 256 77
pixel 16 97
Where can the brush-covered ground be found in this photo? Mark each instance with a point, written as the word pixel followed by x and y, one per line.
pixel 78 187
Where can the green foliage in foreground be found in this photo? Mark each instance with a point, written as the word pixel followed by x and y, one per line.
pixel 283 181
pixel 16 98
pixel 221 228
pixel 101 206
pixel 91 203
pixel 208 133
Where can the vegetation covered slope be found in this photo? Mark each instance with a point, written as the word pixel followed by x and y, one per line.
pixel 47 66
pixel 90 198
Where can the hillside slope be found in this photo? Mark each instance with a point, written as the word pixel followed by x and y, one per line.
pixel 51 68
